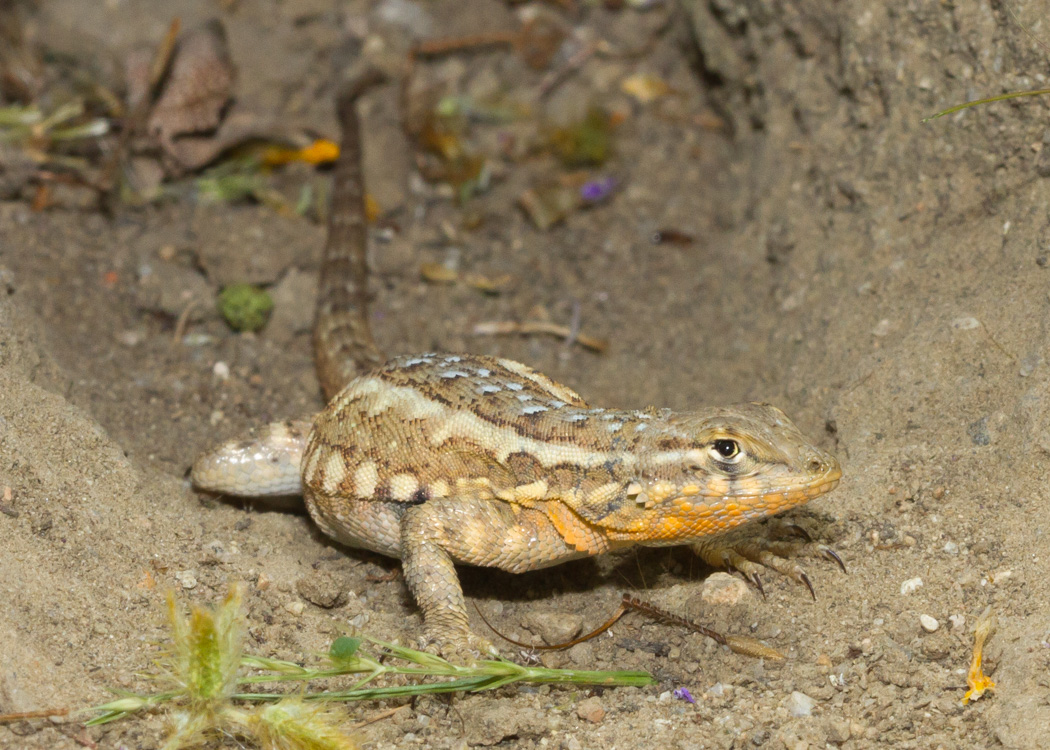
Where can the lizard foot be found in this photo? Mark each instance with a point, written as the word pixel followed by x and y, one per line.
pixel 460 649
pixel 749 554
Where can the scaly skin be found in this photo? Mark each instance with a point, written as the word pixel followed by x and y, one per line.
pixel 439 459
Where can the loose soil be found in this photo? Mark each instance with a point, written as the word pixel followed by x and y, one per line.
pixel 883 280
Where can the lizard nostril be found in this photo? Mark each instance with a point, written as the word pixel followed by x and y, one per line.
pixel 816 466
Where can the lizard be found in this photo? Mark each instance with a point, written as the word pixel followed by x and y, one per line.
pixel 444 459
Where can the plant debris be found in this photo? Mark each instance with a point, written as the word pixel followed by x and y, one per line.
pixel 978 681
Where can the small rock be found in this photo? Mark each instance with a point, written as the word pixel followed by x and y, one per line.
pixel 41 523
pixel 131 337
pixel 323 589
pixel 263 582
pixel 249 245
pixel 171 288
pixel 295 608
pixel 957 621
pixel 929 624
pixel 911 586
pixel 937 646
pixel 966 323
pixel 951 548
pixel 838 730
pixel 723 589
pixel 186 579
pixel 590 710
pixel 882 328
pixel 553 627
pixel 978 432
pixel 799 704
pixel 1000 576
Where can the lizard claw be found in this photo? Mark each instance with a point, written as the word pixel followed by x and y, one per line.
pixel 749 554
pixel 832 555
pixel 756 580
pixel 809 584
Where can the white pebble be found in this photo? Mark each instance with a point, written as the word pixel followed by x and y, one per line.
pixel 1001 576
pixel 951 548
pixel 799 704
pixel 221 370
pixel 186 579
pixel 929 624
pixel 957 621
pixel 295 608
pixel 965 324
pixel 911 586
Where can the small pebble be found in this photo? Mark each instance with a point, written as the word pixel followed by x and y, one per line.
pixel 882 328
pixel 554 627
pixel 911 586
pixel 186 579
pixel 131 337
pixel 838 730
pixel 951 548
pixel 221 370
pixel 723 589
pixel 957 621
pixel 323 589
pixel 799 704
pixel 263 582
pixel 295 608
pixel 929 624
pixel 590 710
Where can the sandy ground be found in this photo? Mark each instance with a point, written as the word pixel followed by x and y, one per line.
pixel 884 281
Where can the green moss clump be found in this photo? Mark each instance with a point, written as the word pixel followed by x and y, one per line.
pixel 245 307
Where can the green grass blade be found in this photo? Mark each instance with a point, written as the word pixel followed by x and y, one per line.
pixel 989 100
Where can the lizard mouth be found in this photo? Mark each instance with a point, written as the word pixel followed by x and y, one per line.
pixel 775 500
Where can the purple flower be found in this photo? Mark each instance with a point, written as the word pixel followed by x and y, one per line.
pixel 684 695
pixel 595 191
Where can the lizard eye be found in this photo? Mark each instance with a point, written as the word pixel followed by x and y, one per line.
pixel 726 450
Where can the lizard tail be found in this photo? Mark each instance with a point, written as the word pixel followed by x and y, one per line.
pixel 343 343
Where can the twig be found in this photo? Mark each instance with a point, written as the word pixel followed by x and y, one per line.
pixel 376 717
pixel 530 327
pixel 23 715
pixel 448 45
pixel 555 77
pixel 183 321
pixel 738 644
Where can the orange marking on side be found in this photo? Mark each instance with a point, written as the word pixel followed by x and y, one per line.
pixel 575 531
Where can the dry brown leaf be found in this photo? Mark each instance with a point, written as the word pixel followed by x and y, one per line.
pixel 198 87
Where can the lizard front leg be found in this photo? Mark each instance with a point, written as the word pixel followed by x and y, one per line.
pixel 440 533
pixel 748 551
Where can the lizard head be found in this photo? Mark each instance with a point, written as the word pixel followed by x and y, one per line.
pixel 706 472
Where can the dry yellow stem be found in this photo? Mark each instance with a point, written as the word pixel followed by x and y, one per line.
pixel 978 681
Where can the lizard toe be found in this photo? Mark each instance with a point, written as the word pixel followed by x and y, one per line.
pixel 750 555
